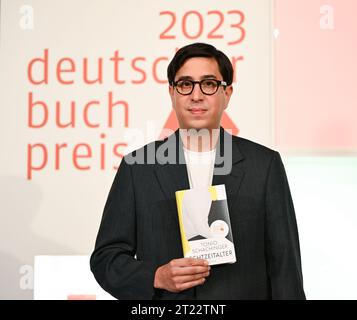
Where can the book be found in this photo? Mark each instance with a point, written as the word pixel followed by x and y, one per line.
pixel 205 226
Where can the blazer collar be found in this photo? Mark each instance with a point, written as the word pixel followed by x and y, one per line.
pixel 173 177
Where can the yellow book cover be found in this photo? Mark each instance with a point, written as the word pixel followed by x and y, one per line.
pixel 205 224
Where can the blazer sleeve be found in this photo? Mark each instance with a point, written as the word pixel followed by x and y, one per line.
pixel 282 249
pixel 113 261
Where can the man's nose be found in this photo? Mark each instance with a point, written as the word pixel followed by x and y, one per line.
pixel 197 94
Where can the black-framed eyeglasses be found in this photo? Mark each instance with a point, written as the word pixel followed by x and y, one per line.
pixel 207 86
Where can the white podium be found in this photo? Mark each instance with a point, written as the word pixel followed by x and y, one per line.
pixel 66 278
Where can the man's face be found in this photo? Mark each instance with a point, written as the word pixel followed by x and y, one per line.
pixel 197 110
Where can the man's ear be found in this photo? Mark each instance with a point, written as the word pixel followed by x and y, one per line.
pixel 228 93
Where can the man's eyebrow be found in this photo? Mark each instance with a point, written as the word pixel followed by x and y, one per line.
pixel 207 76
pixel 185 78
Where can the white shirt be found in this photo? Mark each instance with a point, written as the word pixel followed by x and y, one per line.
pixel 200 167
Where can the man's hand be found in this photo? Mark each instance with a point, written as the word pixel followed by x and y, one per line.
pixel 181 274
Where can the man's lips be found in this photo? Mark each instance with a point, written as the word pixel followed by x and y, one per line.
pixel 197 110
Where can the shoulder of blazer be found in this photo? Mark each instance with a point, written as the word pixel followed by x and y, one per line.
pixel 252 149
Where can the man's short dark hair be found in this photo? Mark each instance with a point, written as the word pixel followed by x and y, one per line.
pixel 200 50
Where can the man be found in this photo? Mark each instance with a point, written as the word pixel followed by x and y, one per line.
pixel 138 252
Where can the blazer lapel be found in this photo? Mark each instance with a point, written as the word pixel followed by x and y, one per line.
pixel 227 150
pixel 173 176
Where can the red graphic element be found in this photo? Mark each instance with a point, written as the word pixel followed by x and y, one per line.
pixel 172 124
pixel 315 76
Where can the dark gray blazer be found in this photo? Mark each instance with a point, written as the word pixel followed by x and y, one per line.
pixel 139 230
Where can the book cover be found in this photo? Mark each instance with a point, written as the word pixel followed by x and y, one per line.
pixel 205 224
